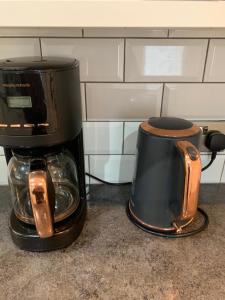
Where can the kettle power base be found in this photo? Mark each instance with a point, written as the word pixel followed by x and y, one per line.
pixel 26 238
pixel 200 222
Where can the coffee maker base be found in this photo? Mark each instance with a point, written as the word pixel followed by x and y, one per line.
pixel 26 238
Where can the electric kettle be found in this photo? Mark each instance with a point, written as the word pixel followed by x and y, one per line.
pixel 165 188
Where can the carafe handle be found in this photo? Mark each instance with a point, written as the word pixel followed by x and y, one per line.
pixel 192 168
pixel 40 187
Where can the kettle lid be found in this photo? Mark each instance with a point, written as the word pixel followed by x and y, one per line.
pixel 170 127
pixel 170 123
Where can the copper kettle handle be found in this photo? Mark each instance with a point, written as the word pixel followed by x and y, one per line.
pixel 40 203
pixel 192 169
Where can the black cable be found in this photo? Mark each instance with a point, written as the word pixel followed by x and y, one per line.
pixel 213 157
pixel 106 182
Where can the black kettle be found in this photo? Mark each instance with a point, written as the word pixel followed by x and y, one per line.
pixel 165 188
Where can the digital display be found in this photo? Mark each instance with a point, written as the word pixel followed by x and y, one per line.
pixel 19 102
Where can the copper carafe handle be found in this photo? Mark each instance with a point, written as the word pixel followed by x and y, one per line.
pixel 41 205
pixel 192 168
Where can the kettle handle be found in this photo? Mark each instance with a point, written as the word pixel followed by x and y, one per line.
pixel 40 184
pixel 192 168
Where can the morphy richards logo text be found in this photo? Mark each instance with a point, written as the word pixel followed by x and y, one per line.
pixel 16 85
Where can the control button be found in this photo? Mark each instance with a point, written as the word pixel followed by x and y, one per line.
pixel 28 125
pixel 3 125
pixel 43 125
pixel 193 154
pixel 15 125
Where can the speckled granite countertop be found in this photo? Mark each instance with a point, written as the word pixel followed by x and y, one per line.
pixel 113 259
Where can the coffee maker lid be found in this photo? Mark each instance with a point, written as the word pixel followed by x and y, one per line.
pixel 170 127
pixel 37 64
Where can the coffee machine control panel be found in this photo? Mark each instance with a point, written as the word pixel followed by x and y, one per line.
pixel 26 105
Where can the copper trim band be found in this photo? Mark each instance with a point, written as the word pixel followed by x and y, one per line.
pixel 28 125
pixel 170 133
pixel 15 125
pixel 150 226
pixel 176 228
pixel 43 125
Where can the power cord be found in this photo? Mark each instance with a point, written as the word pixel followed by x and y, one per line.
pixel 107 182
pixel 213 157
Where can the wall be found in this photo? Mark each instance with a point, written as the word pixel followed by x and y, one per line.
pixel 128 75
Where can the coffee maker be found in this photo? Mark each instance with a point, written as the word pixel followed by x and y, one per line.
pixel 41 132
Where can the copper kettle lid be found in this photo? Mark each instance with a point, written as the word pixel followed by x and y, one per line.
pixel 170 127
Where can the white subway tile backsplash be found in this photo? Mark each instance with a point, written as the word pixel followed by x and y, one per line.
pixel 17 47
pixel 214 172
pixel 100 59
pixel 4 171
pixel 115 101
pixel 120 168
pixel 130 137
pixel 40 32
pixel 194 101
pixel 165 60
pixel 125 32
pixel 112 168
pixel 215 66
pixel 103 137
pixel 110 147
pixel 197 33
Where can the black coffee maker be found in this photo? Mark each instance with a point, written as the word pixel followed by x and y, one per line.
pixel 41 132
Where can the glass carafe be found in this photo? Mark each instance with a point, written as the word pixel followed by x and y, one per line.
pixel 44 188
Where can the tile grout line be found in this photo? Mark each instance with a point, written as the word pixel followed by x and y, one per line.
pixel 123 138
pixel 39 39
pixel 161 108
pixel 113 37
pixel 131 154
pixel 223 169
pixel 85 100
pixel 154 82
pixel 168 33
pixel 89 171
pixel 124 58
pixel 206 58
pixel 142 120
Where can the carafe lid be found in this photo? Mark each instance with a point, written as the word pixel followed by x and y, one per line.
pixel 37 152
pixel 170 127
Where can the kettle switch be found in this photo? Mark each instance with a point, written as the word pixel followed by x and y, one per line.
pixel 193 154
